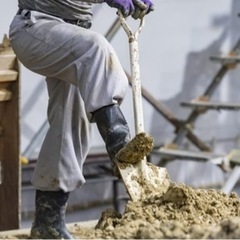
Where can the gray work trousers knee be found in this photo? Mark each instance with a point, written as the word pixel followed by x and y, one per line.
pixel 83 74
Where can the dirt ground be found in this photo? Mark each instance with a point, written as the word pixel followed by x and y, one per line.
pixel 182 213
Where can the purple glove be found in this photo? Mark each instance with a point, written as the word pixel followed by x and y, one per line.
pixel 125 6
pixel 142 7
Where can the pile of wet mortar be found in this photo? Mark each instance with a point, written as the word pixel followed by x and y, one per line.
pixel 183 212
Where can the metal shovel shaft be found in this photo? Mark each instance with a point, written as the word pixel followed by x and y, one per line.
pixel 136 87
pixel 135 73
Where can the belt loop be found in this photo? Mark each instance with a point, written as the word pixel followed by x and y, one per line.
pixel 78 22
pixel 19 11
pixel 24 13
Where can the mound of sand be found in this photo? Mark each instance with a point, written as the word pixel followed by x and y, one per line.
pixel 183 212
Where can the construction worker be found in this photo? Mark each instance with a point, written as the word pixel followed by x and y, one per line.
pixel 86 84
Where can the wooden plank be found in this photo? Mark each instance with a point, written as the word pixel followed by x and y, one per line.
pixel 10 187
pixel 212 105
pixel 5 95
pixel 7 61
pixel 183 154
pixel 8 75
pixel 9 157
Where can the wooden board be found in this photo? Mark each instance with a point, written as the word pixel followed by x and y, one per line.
pixel 9 154
pixel 7 61
pixel 5 95
pixel 8 75
pixel 183 154
pixel 212 105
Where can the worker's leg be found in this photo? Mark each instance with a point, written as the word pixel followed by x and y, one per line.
pixel 60 162
pixel 67 141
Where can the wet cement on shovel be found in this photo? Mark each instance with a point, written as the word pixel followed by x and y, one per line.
pixel 139 147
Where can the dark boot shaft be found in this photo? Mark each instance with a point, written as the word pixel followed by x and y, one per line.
pixel 49 222
pixel 113 128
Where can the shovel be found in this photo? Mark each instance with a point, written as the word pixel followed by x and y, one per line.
pixel 142 179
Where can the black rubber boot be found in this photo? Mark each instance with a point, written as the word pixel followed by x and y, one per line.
pixel 113 129
pixel 49 222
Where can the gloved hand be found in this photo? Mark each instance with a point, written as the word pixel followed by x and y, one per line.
pixel 142 7
pixel 125 6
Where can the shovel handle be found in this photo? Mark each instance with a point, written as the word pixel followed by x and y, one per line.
pixel 135 72
pixel 127 29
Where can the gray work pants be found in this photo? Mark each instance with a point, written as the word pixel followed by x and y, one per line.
pixel 83 74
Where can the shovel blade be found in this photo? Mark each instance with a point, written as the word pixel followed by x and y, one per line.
pixel 143 180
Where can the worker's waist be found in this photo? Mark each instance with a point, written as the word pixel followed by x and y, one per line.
pixel 79 22
pixel 82 23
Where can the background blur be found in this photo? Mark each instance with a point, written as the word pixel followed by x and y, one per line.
pixel 175 46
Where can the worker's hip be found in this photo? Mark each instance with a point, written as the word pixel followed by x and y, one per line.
pixel 71 54
pixel 46 46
